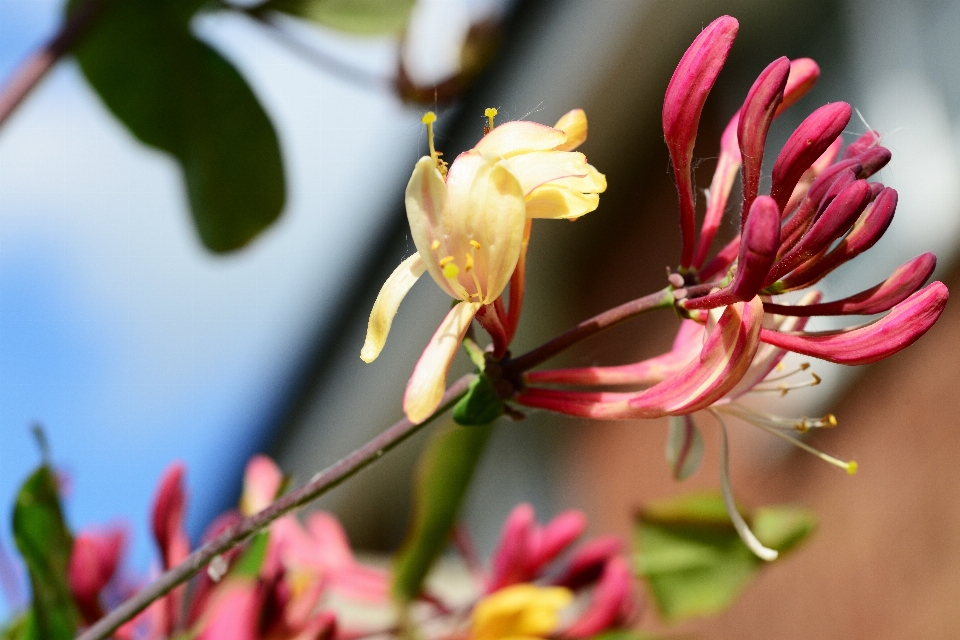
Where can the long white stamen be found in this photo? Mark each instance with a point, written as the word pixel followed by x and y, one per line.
pixel 784 388
pixel 783 376
pixel 801 425
pixel 726 489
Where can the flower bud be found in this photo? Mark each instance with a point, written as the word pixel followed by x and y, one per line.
pixel 757 113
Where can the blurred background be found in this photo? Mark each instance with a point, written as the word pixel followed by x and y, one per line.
pixel 133 346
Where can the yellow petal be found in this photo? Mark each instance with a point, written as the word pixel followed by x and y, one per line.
pixel 539 167
pixel 387 303
pixel 521 610
pixel 428 381
pixel 519 136
pixel 574 124
pixel 593 182
pixel 493 216
pixel 550 201
pixel 428 212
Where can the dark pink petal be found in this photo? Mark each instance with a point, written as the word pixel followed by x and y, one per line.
pixel 904 280
pixel 897 330
pixel 723 177
pixel 169 505
pixel 612 605
pixel 873 160
pixel 686 346
pixel 866 231
pixel 804 73
pixel 511 558
pixel 682 104
pixel 724 359
pixel 867 141
pixel 836 219
pixel 805 145
pixel 233 614
pixel 758 250
pixel 757 113
pixel 588 562
pixel 93 561
pixel 558 534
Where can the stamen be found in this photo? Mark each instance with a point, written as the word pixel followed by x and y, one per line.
pixel 491 113
pixel 784 388
pixel 475 245
pixel 726 490
pixel 428 119
pixel 445 261
pixel 805 424
pixel 776 422
pixel 469 265
pixel 779 369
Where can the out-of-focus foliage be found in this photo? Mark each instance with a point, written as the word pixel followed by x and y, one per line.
pixel 175 93
pixel 363 17
pixel 443 477
pixel 692 558
pixel 45 544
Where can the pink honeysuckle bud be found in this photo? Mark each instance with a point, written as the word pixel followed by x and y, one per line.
pixel 867 141
pixel 588 561
pixel 821 193
pixel 682 105
pixel 233 613
pixel 93 562
pixel 554 537
pixel 613 603
pixel 261 482
pixel 758 250
pixel 511 558
pixel 836 219
pixel 805 145
pixel 903 282
pixel 169 506
pixel 757 113
pixel 866 231
pixel 804 73
pixel 725 357
pixel 873 160
pixel 897 330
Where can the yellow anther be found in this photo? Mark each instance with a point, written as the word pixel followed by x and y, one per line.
pixel 852 467
pixel 469 265
pixel 816 380
pixel 829 420
pixel 475 245
pixel 434 245
pixel 802 426
pixel 445 261
pixel 804 366
pixel 450 271
pixel 491 113
pixel 429 118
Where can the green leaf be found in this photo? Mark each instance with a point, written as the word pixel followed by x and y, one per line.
pixel 251 560
pixel 175 93
pixel 480 406
pixel 694 561
pixel 45 545
pixel 362 17
pixel 443 476
pixel 20 628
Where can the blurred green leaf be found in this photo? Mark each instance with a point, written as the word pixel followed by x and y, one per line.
pixel 45 545
pixel 175 93
pixel 694 561
pixel 443 477
pixel 363 17
pixel 20 628
pixel 625 634
pixel 251 560
pixel 480 406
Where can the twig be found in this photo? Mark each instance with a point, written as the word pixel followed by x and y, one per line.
pixel 317 486
pixel 26 76
pixel 659 300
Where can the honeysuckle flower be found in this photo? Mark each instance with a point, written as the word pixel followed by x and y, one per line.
pixel 93 562
pixel 470 224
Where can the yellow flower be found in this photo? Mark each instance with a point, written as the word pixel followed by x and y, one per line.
pixel 468 226
pixel 520 611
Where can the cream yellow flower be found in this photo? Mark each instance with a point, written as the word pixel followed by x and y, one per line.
pixel 468 226
pixel 520 611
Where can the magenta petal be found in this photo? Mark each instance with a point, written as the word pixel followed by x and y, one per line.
pixel 804 73
pixel 588 561
pixel 897 330
pixel 866 231
pixel 93 561
pixel 557 535
pixel 757 113
pixel 867 141
pixel 233 614
pixel 904 280
pixel 805 145
pixel 612 604
pixel 511 559
pixel 682 104
pixel 873 160
pixel 169 506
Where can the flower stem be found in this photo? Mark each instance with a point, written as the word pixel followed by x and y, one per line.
pixel 321 483
pixel 32 70
pixel 660 300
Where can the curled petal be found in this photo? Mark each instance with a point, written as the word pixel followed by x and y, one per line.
pixel 724 359
pixel 540 167
pixel 682 104
pixel 904 281
pixel 261 482
pixel 519 137
pixel 388 301
pixel 552 201
pixel 686 346
pixel 805 145
pixel 900 328
pixel 426 385
pixel 428 210
pixel 612 604
pixel 871 225
pixel 756 115
pixel 574 124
